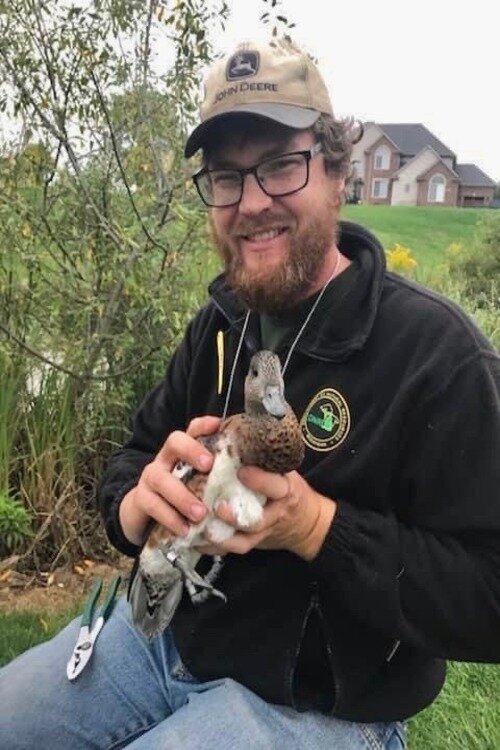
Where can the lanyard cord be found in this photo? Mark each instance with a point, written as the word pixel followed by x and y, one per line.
pixel 235 361
pixel 309 316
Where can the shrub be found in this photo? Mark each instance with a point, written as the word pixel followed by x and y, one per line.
pixel 15 524
pixel 477 267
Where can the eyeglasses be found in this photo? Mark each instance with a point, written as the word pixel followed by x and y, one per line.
pixel 277 177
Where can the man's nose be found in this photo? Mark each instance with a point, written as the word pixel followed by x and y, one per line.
pixel 253 200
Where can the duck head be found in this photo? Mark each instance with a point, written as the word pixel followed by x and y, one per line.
pixel 264 386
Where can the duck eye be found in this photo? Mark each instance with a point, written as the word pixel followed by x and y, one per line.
pixel 255 372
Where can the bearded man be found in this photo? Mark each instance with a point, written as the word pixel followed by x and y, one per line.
pixel 375 562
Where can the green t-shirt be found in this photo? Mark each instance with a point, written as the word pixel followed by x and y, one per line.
pixel 275 328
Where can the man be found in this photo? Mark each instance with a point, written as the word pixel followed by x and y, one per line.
pixel 373 564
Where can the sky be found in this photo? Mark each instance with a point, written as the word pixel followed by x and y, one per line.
pixel 406 62
pixel 385 61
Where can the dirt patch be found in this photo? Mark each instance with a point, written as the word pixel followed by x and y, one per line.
pixel 57 591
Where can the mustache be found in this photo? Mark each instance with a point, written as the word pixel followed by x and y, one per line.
pixel 247 226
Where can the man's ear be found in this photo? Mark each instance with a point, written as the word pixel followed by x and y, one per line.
pixel 337 190
pixel 340 184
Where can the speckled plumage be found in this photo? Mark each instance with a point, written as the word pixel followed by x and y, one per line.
pixel 272 444
pixel 267 435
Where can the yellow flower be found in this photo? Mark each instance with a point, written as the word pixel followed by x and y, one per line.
pixel 26 231
pixel 455 248
pixel 400 260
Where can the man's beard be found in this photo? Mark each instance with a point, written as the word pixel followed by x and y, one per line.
pixel 276 290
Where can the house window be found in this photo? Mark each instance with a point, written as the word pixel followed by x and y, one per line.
pixel 380 188
pixel 382 158
pixel 437 187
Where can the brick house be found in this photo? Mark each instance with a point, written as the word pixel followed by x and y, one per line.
pixel 406 165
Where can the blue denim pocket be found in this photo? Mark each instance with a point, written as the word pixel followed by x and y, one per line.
pixel 384 735
pixel 397 740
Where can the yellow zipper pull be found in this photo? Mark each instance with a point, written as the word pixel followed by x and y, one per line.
pixel 220 358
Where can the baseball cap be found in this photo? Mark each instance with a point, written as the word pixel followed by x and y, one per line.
pixel 276 80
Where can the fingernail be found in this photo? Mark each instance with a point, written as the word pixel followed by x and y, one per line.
pixel 204 461
pixel 197 512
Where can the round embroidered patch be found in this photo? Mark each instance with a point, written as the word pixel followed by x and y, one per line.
pixel 326 421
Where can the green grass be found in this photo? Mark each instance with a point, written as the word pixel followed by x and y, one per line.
pixel 22 630
pixel 426 231
pixel 465 716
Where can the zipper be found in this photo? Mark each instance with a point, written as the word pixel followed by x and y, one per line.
pixel 317 606
pixel 291 674
pixel 314 604
pixel 393 650
pixel 397 642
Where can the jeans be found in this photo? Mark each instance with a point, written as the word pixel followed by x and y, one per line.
pixel 137 694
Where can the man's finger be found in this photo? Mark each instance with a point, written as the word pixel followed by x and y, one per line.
pixel 166 515
pixel 203 426
pixel 274 486
pixel 174 492
pixel 224 512
pixel 181 446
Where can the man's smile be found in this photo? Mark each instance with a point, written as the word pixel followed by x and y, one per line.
pixel 264 235
pixel 265 240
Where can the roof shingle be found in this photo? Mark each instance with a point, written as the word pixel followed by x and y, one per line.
pixel 472 176
pixel 410 138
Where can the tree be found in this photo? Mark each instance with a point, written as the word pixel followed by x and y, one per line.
pixel 98 229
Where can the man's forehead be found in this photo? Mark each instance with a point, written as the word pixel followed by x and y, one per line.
pixel 237 147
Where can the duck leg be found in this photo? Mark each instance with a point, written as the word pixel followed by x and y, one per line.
pixel 195 584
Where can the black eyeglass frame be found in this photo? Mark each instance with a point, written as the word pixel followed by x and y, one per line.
pixel 308 154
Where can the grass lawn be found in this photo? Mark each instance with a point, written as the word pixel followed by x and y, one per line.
pixel 426 231
pixel 21 630
pixel 465 716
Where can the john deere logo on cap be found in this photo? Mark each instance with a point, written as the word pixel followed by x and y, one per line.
pixel 326 421
pixel 242 65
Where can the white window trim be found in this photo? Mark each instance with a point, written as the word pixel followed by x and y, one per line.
pixel 384 181
pixel 385 153
pixel 437 179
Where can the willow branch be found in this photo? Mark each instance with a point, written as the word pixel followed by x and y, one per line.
pixel 116 153
pixel 77 376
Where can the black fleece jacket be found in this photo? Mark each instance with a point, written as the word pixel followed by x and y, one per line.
pixel 399 396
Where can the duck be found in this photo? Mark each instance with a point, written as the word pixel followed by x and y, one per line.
pixel 267 434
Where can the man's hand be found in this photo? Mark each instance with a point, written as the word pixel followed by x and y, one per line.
pixel 296 517
pixel 160 496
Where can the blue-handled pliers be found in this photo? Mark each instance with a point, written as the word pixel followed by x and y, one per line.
pixel 87 636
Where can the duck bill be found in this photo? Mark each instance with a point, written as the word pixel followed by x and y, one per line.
pixel 274 402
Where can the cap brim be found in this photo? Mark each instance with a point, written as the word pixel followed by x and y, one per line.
pixel 286 114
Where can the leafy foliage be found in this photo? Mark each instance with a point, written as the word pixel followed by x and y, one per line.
pixel 15 524
pixel 477 267
pixel 103 243
pixel 98 226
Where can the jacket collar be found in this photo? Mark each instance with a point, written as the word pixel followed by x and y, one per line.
pixel 341 323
